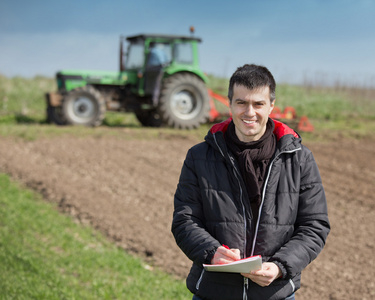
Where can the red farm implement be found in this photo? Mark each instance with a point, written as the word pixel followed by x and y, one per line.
pixel 288 115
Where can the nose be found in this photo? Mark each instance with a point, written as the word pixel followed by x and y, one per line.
pixel 250 111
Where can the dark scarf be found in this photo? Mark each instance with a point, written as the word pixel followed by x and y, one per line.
pixel 253 158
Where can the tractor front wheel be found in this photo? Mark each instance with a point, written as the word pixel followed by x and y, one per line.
pixel 55 114
pixel 148 118
pixel 184 101
pixel 84 106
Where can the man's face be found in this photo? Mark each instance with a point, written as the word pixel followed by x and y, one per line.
pixel 250 110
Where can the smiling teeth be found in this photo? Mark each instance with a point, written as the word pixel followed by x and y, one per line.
pixel 249 122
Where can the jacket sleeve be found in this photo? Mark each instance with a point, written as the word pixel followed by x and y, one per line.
pixel 312 225
pixel 188 218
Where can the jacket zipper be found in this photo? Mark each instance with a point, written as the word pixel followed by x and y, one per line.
pixel 245 288
pixel 264 193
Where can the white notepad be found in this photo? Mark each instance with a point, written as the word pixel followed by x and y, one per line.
pixel 246 265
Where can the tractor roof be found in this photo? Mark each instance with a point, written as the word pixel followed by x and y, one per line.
pixel 162 36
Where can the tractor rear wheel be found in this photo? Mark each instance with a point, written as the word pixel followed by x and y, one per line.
pixel 184 101
pixel 84 106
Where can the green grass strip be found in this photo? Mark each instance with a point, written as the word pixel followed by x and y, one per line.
pixel 45 255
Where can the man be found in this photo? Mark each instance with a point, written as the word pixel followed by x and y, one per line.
pixel 254 187
pixel 158 55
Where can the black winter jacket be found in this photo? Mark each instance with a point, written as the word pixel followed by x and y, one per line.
pixel 211 208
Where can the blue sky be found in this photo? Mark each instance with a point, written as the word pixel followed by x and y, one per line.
pixel 316 41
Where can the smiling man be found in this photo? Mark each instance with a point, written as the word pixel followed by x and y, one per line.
pixel 254 187
pixel 250 110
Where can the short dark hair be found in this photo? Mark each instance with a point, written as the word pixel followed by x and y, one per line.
pixel 252 77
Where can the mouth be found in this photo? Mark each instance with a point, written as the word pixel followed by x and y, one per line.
pixel 248 121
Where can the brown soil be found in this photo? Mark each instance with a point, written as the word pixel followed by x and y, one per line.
pixel 124 188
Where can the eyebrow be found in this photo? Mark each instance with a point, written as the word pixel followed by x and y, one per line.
pixel 255 101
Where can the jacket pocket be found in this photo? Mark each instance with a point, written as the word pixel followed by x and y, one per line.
pixel 220 286
pixel 279 289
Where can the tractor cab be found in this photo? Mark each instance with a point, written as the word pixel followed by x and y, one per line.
pixel 152 57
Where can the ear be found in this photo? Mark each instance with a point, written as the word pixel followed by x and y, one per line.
pixel 272 106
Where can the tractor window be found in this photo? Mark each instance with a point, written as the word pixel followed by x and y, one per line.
pixel 135 57
pixel 183 53
pixel 160 54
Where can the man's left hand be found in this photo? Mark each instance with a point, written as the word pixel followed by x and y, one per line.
pixel 266 275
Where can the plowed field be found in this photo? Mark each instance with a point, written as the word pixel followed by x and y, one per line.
pixel 124 188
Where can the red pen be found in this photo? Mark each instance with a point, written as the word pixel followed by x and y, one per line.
pixel 225 246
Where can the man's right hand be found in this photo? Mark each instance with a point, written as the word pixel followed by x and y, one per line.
pixel 224 255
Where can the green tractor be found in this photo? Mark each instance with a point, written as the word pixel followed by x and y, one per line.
pixel 159 80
